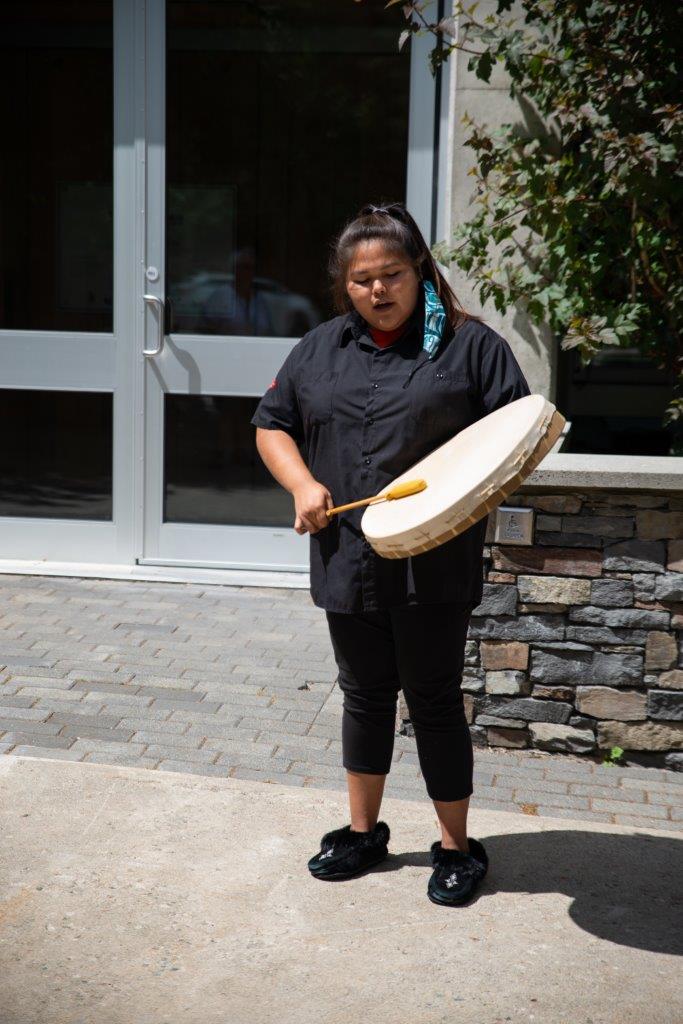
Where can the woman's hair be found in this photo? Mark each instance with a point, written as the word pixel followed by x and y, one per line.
pixel 393 225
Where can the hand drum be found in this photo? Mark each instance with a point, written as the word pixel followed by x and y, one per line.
pixel 467 477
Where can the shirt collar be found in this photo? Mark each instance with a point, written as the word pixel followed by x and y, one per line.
pixel 357 327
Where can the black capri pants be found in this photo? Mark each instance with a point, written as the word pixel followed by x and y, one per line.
pixel 420 649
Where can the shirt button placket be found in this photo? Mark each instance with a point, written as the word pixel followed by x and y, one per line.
pixel 368 564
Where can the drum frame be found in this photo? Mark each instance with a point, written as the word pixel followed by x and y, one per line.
pixel 489 502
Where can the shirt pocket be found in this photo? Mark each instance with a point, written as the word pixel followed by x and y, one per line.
pixel 441 402
pixel 316 397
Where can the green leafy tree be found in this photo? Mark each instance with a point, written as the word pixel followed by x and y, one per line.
pixel 578 219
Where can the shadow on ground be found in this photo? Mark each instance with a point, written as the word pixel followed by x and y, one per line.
pixel 625 889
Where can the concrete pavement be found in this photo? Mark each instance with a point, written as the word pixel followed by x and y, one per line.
pixel 132 896
pixel 239 682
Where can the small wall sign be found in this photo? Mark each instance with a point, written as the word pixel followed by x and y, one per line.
pixel 511 525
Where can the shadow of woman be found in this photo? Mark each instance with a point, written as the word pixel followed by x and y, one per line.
pixel 625 888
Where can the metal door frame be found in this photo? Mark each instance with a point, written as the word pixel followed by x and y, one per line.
pixel 115 362
pixel 231 365
pixel 84 361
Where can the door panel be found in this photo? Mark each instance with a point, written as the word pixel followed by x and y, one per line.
pixel 57 344
pixel 272 121
pixel 171 177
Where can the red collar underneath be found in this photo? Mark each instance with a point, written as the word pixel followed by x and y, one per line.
pixel 386 338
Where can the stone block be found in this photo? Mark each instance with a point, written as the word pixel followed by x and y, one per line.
pixel 549 523
pixel 635 556
pixel 526 628
pixel 552 503
pixel 468 703
pixel 617 669
pixel 554 589
pixel 631 618
pixel 563 693
pixel 525 608
pixel 672 680
pixel 497 654
pixel 631 500
pixel 605 635
pixel 507 681
pixel 618 527
pixel 472 680
pixel 583 666
pixel 644 586
pixel 643 736
pixel 611 593
pixel 501 577
pixel 661 651
pixel 478 735
pixel 551 736
pixel 499 737
pixel 652 525
pixel 674 561
pixel 581 722
pixel 549 561
pixel 526 708
pixel 562 645
pixel 665 704
pixel 606 702
pixel 508 723
pixel 570 540
pixel 498 599
pixel 669 587
pixel 471 652
pixel 558 666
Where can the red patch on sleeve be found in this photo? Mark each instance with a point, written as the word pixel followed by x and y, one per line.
pixel 272 384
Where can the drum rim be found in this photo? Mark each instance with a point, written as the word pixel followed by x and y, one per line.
pixel 546 430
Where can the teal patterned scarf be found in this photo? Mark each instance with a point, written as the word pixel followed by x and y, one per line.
pixel 435 319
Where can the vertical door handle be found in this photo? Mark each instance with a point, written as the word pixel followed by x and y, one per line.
pixel 154 300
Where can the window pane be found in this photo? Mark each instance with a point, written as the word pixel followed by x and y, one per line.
pixel 213 473
pixel 56 461
pixel 56 165
pixel 616 403
pixel 283 118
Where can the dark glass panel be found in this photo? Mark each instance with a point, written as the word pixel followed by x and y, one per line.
pixel 616 404
pixel 212 471
pixel 56 165
pixel 283 118
pixel 56 456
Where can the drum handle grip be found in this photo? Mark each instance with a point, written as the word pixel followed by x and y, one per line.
pixel 399 491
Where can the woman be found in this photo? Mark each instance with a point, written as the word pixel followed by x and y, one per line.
pixel 358 400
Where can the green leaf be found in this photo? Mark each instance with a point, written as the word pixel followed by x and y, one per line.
pixel 581 200
pixel 484 66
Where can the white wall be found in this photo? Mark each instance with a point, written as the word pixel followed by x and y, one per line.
pixel 490 103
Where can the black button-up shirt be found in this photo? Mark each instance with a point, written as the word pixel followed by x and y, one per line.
pixel 361 416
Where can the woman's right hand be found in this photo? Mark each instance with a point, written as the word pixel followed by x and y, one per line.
pixel 310 502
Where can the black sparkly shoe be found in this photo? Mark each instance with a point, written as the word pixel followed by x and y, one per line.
pixel 456 874
pixel 344 853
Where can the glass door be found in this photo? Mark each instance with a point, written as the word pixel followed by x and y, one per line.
pixel 58 344
pixel 267 125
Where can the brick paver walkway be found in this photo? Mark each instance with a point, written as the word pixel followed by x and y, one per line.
pixel 240 681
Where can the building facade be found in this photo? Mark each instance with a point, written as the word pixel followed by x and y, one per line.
pixel 174 172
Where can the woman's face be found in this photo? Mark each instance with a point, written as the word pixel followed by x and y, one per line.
pixel 382 285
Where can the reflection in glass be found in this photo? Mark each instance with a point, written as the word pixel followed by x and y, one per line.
pixel 56 167
pixel 56 461
pixel 615 403
pixel 283 117
pixel 212 471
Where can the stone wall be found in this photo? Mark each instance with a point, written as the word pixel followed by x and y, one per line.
pixel 577 645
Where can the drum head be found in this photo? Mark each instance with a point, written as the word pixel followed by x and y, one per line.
pixel 467 477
